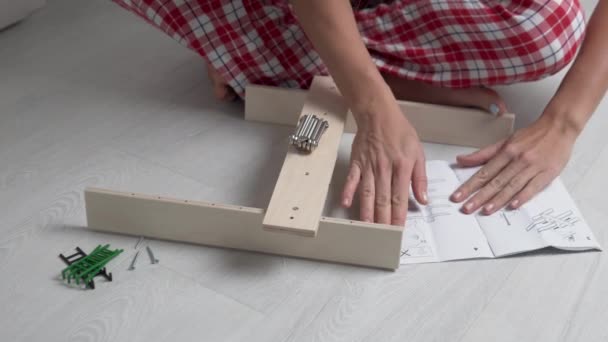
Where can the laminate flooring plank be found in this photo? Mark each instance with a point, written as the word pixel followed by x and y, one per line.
pixel 55 117
pixel 152 304
pixel 587 321
pixel 407 305
pixel 64 199
pixel 542 292
pixel 49 304
pixel 243 159
pixel 593 188
pixel 590 146
pixel 92 95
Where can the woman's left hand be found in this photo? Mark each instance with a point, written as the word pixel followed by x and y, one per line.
pixel 517 168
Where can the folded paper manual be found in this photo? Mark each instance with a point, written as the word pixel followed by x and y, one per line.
pixel 440 232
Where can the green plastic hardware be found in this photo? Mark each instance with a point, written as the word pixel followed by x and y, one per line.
pixel 88 267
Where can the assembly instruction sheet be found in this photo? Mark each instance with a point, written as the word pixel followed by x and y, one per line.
pixel 439 231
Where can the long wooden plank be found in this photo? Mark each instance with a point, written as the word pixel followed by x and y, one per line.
pixel 338 240
pixel 434 123
pixel 299 195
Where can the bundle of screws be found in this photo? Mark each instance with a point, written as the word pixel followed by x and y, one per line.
pixel 308 132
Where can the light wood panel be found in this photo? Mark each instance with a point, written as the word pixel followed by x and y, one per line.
pixel 434 123
pixel 338 240
pixel 301 189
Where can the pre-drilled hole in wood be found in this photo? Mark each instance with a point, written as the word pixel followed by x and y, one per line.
pixel 291 217
pixel 295 208
pixel 306 173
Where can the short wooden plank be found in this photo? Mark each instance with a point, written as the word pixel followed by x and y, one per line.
pixel 299 195
pixel 274 104
pixel 338 240
pixel 434 123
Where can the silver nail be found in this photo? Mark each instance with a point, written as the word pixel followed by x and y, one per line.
pixel 153 260
pixel 132 266
pixel 141 238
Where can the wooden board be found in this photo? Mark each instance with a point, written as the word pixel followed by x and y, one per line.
pixel 338 240
pixel 135 128
pixel 301 188
pixel 434 123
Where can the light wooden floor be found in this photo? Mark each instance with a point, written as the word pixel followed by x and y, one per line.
pixel 90 95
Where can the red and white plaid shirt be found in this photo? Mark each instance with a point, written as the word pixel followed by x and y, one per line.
pixel 451 43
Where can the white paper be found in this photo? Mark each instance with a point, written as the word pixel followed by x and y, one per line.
pixel 439 231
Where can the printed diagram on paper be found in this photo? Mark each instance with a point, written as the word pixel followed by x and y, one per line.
pixel 440 231
pixel 547 220
pixel 416 244
pixel 507 215
pixel 438 203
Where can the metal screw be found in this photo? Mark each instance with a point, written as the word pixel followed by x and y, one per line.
pixel 314 140
pixel 315 124
pixel 307 127
pixel 300 125
pixel 141 238
pixel 132 266
pixel 153 260
pixel 322 123
pixel 310 133
pixel 294 137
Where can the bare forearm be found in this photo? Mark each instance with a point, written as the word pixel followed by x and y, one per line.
pixel 331 27
pixel 587 80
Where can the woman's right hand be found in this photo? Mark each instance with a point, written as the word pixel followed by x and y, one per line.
pixel 386 156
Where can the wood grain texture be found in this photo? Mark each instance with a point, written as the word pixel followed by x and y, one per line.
pixel 240 227
pixel 301 190
pixel 433 123
pixel 93 96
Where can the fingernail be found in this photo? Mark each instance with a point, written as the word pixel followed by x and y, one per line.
pixel 468 206
pixel 488 208
pixel 514 204
pixel 345 202
pixel 425 197
pixel 494 109
pixel 456 196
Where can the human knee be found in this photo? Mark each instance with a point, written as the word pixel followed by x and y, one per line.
pixel 550 39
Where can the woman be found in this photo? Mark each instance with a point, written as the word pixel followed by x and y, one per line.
pixel 436 51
